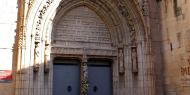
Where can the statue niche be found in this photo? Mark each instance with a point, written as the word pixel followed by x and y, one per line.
pixel 121 61
pixel 36 58
pixel 134 59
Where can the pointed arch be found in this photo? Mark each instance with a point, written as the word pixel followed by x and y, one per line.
pixel 122 18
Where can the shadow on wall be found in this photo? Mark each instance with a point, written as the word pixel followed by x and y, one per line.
pixel 157 33
pixel 33 80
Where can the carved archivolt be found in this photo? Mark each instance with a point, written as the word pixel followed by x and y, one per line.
pixel 124 11
pixel 39 21
pixel 120 5
pixel 38 39
pixel 112 14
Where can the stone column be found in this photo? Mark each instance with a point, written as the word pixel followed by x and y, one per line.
pixel 148 65
pixel 46 57
pixel 84 76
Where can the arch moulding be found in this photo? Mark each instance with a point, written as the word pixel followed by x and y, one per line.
pixel 125 24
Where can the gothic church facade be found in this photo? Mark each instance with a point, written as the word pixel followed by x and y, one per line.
pixel 95 47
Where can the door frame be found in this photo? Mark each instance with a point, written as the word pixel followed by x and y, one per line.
pixel 80 58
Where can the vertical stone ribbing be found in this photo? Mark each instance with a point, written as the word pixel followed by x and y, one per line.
pixel 149 65
pixel 19 71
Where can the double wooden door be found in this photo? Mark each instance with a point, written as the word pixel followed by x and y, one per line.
pixel 66 78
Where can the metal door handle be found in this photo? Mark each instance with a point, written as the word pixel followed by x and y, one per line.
pixel 69 88
pixel 95 88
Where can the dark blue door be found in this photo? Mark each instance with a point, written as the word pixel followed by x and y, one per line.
pixel 66 78
pixel 100 78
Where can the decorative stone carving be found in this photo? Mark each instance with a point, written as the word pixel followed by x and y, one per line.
pixel 38 36
pixel 30 3
pixel 134 59
pixel 40 18
pixel 46 57
pixel 36 58
pixel 84 86
pixel 121 61
pixel 20 38
pixel 125 13
pixel 145 8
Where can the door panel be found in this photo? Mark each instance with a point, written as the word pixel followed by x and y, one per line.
pixel 100 78
pixel 66 78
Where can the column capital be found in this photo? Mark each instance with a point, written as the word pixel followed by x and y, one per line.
pixel 84 59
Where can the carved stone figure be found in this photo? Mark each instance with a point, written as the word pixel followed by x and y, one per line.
pixel 134 59
pixel 36 58
pixel 121 61
pixel 46 58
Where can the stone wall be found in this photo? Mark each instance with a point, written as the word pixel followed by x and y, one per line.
pixel 8 17
pixel 156 45
pixel 175 45
pixel 168 23
pixel 81 29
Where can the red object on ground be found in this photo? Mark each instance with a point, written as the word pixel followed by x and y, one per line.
pixel 5 75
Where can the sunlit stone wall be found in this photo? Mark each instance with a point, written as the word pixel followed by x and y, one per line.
pixel 175 24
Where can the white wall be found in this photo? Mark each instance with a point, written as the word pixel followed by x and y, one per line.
pixel 8 18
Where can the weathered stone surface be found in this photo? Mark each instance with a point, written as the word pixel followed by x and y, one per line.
pixel 81 28
pixel 147 40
